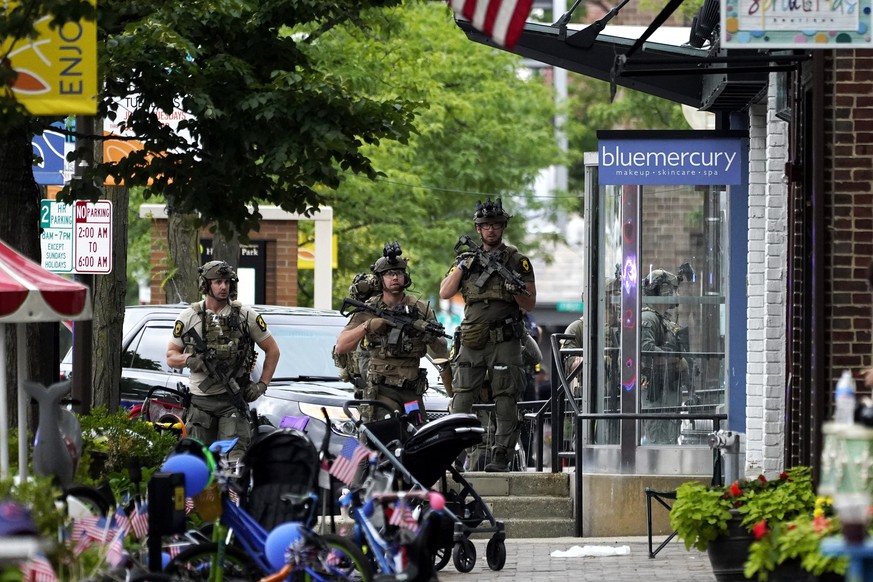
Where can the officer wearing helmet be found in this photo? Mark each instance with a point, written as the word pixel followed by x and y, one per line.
pixel 492 329
pixel 664 371
pixel 393 373
pixel 230 330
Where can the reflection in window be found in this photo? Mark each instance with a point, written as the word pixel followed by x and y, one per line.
pixel 681 320
pixel 305 352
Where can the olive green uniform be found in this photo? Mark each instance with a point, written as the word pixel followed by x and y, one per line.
pixel 491 347
pixel 394 375
pixel 664 374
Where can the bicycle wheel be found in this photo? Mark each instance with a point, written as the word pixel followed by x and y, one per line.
pixel 338 558
pixel 196 563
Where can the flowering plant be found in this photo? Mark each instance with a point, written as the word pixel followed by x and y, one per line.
pixel 796 541
pixel 701 513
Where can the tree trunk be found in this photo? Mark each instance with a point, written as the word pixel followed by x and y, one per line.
pixel 184 243
pixel 109 293
pixel 19 227
pixel 226 249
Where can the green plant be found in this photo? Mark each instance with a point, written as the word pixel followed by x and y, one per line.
pixel 796 540
pixel 701 513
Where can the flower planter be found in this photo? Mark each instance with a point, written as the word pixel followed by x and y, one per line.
pixel 728 553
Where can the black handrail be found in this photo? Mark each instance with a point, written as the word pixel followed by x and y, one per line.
pixel 561 394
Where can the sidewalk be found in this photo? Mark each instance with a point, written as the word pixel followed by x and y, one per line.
pixel 530 560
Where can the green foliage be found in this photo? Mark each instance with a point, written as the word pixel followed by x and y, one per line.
pixel 481 128
pixel 112 441
pixel 796 541
pixel 701 513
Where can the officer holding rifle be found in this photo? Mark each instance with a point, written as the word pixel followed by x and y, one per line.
pixel 497 283
pixel 215 339
pixel 397 330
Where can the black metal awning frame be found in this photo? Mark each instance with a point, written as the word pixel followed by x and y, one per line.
pixel 672 72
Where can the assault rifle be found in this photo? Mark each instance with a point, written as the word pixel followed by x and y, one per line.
pixel 401 318
pixel 218 369
pixel 490 265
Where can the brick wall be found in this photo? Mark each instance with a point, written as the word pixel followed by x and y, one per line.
pixel 849 207
pixel 280 237
pixel 767 289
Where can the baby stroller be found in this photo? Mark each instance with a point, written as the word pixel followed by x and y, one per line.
pixel 279 478
pixel 422 457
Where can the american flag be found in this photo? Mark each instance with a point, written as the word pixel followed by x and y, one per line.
pixel 38 569
pixel 500 20
pixel 139 520
pixel 345 466
pixel 402 516
pixel 122 522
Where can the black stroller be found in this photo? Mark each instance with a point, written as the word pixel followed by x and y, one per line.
pixel 422 457
pixel 279 478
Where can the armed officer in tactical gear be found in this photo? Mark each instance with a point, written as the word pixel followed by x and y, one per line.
pixel 229 331
pixel 663 368
pixel 393 373
pixel 492 329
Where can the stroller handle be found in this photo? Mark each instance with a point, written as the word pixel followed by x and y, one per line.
pixel 348 405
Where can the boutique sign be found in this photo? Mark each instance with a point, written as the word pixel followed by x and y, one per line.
pixel 668 158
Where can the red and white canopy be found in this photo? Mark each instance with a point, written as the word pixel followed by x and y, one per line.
pixel 29 293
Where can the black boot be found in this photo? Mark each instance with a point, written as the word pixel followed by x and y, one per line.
pixel 499 461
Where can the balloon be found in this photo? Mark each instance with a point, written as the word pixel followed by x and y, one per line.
pixel 194 468
pixel 437 501
pixel 278 542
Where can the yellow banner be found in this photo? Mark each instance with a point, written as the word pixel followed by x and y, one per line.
pixel 57 71
pixel 306 253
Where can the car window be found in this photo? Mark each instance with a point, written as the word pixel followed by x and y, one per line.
pixel 305 351
pixel 148 350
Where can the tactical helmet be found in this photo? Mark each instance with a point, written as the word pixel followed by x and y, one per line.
pixel 216 270
pixel 364 286
pixel 391 261
pixel 613 286
pixel 660 282
pixel 490 211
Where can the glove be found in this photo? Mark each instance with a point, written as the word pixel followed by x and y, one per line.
pixel 195 364
pixel 513 288
pixel 254 391
pixel 378 326
pixel 465 261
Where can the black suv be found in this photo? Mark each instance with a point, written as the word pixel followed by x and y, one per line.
pixel 305 380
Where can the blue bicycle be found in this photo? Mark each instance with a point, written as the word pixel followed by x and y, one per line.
pixel 238 546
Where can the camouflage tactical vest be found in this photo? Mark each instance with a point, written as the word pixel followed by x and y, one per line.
pixel 494 288
pixel 228 336
pixel 409 343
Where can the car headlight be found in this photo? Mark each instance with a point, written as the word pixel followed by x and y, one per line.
pixel 339 422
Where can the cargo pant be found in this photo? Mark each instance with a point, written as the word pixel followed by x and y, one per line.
pixel 215 418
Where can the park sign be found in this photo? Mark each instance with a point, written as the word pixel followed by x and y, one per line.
pixel 76 238
pixel 56 70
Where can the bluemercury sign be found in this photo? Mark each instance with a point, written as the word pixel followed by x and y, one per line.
pixel 795 24
pixel 665 160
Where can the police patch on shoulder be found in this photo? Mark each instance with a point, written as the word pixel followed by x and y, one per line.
pixel 525 265
pixel 261 323
pixel 177 329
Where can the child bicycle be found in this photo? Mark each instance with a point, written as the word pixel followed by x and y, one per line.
pixel 238 547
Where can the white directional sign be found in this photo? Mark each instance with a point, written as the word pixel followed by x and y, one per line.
pixel 92 229
pixel 56 241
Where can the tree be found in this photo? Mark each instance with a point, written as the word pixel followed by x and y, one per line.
pixel 483 127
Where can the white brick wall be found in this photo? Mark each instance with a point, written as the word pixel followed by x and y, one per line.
pixel 766 287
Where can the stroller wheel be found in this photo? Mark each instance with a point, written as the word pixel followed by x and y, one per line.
pixel 464 556
pixel 441 557
pixel 495 553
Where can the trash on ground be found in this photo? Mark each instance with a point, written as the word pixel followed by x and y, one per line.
pixel 597 551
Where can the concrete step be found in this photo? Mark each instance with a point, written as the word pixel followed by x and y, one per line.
pixel 529 504
pixel 530 507
pixel 518 483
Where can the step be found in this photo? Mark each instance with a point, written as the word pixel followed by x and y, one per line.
pixel 517 483
pixel 530 506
